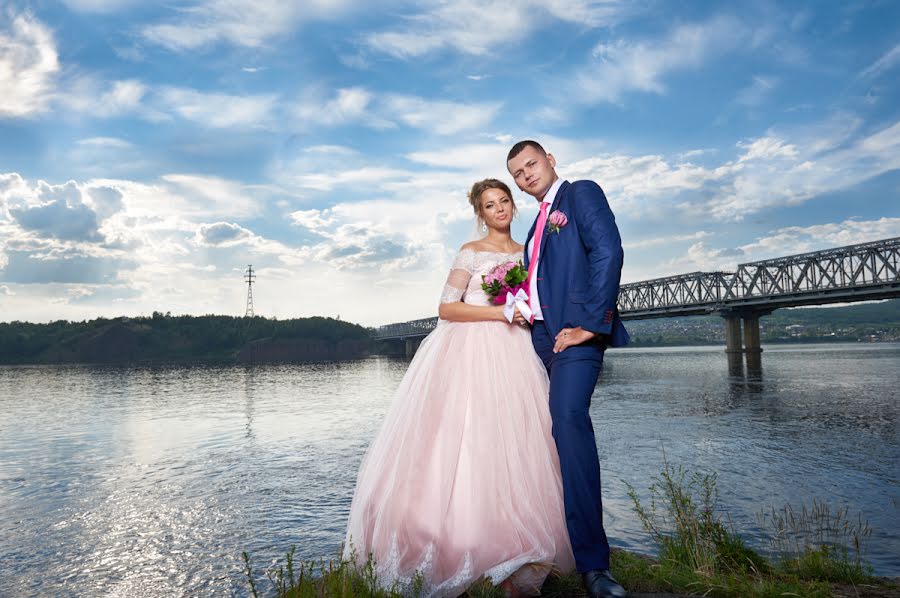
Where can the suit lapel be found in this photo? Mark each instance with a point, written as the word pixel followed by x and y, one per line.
pixel 527 241
pixel 553 206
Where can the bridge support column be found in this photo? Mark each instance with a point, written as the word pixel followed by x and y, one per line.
pixel 751 333
pixel 733 334
pixel 412 345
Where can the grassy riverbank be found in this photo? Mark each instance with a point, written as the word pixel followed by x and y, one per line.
pixel 815 551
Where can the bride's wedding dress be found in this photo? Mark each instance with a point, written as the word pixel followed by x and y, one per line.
pixel 462 481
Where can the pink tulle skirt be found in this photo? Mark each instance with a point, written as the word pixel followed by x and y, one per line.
pixel 462 481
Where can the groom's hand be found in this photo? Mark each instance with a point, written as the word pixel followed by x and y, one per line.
pixel 569 337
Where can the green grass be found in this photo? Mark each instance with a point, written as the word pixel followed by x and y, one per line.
pixel 700 553
pixel 820 543
pixel 816 550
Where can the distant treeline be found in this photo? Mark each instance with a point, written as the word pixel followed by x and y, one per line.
pixel 165 338
pixel 850 323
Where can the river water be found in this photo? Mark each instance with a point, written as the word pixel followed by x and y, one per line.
pixel 151 481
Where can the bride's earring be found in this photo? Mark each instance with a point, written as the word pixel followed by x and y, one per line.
pixel 483 227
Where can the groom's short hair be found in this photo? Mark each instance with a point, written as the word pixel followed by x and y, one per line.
pixel 517 148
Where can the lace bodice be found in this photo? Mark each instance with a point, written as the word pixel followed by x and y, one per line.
pixel 464 281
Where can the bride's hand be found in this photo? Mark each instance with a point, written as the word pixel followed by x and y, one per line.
pixel 519 319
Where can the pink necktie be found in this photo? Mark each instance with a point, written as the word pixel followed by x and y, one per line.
pixel 536 247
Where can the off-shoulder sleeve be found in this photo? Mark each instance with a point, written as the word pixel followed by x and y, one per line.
pixel 460 274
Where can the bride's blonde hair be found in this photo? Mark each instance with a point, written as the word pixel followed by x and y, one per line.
pixel 480 187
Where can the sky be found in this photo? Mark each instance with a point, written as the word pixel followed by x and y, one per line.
pixel 150 151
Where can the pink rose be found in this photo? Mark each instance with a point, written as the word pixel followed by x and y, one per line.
pixel 557 220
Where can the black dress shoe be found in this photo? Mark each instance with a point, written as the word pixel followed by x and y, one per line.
pixel 600 584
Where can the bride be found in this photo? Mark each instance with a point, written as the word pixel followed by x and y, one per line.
pixel 462 482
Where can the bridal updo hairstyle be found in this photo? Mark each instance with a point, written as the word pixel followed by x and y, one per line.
pixel 480 187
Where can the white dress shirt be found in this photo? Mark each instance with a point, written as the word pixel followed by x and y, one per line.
pixel 533 286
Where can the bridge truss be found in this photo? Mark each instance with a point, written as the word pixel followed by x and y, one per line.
pixel 858 272
pixel 867 271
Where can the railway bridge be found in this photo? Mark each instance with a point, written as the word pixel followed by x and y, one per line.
pixel 863 272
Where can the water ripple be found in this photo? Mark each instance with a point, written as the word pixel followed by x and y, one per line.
pixel 152 481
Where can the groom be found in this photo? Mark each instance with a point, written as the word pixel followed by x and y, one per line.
pixel 574 260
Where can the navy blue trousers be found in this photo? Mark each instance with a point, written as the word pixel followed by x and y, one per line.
pixel 573 376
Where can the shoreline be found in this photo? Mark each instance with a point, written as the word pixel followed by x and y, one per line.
pixel 218 361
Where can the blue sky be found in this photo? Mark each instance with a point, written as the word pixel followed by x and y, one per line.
pixel 150 151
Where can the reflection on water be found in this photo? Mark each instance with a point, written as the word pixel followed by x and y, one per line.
pixel 744 373
pixel 151 481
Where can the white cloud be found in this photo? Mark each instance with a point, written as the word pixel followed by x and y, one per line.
pixel 222 234
pixel 623 66
pixel 104 201
pixel 171 245
pixel 776 169
pixel 110 142
pixel 666 240
pixel 212 196
pixel 491 156
pixel 317 108
pixel 312 219
pixel 802 239
pixel 476 27
pixel 249 23
pixel 168 245
pixel 886 141
pixel 96 98
pixel 113 99
pixel 441 117
pixel 370 236
pixel 766 148
pixel 57 212
pixel 636 184
pixel 356 247
pixel 124 97
pixel 348 105
pixel 61 233
pixel 331 150
pixel 357 105
pixel 757 92
pixel 100 6
pixel 784 241
pixel 773 172
pixel 28 66
pixel 888 60
pixel 12 185
pixel 219 110
pixel 367 175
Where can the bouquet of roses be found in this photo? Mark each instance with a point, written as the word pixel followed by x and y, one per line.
pixel 504 279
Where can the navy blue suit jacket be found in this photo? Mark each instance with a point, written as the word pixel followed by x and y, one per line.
pixel 580 267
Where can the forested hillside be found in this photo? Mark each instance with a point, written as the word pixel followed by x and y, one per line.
pixel 165 338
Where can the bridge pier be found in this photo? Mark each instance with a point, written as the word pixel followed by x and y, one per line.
pixel 742 339
pixel 732 333
pixel 412 345
pixel 751 333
